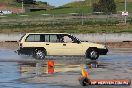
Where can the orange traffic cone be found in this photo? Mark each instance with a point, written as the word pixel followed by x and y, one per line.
pixel 84 78
pixel 84 73
pixel 50 66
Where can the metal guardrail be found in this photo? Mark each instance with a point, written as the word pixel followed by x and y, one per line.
pixel 62 18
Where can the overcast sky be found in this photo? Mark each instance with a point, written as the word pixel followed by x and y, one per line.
pixel 57 2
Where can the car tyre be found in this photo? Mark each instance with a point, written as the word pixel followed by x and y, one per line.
pixel 92 54
pixel 39 54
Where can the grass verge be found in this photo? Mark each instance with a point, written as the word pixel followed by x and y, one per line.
pixel 69 28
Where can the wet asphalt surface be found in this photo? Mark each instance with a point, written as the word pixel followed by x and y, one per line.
pixel 10 67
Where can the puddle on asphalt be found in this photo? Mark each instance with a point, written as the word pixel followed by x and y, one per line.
pixel 10 72
pixel 32 69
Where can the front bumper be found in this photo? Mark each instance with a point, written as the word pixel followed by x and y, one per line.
pixel 103 51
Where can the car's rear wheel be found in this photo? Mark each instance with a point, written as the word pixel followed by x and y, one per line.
pixel 92 54
pixel 39 54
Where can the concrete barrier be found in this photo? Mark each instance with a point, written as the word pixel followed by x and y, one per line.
pixel 92 37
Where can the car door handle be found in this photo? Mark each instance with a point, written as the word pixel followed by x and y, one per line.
pixel 64 44
pixel 47 44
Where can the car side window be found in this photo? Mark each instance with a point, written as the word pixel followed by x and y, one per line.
pixel 67 39
pixel 33 38
pixel 47 38
pixel 54 38
pixel 51 38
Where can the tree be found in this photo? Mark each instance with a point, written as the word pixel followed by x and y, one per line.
pixel 106 6
pixel 26 1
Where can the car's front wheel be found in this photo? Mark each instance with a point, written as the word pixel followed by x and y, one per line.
pixel 39 54
pixel 92 54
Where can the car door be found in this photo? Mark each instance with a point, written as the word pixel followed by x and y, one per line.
pixel 71 46
pixel 53 45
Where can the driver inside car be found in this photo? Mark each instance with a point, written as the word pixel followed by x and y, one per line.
pixel 67 39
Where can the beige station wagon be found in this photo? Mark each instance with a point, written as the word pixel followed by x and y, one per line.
pixel 40 45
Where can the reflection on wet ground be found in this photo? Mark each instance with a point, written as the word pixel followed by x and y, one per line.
pixel 14 67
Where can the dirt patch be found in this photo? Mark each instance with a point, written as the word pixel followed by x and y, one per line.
pixel 9 45
pixel 14 45
pixel 119 44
